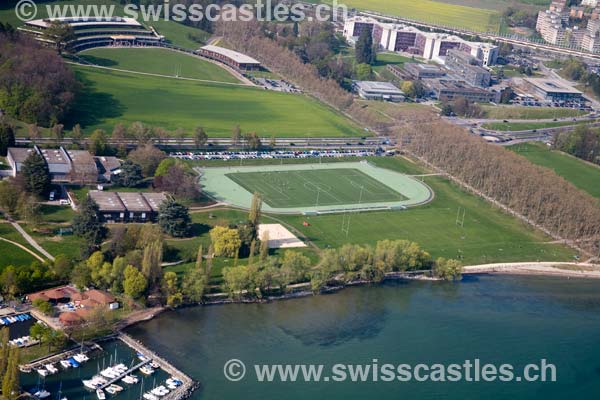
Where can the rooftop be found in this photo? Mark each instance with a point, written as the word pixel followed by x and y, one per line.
pixel 234 55
pixel 154 200
pixel 107 201
pixel 19 154
pixel 551 85
pixel 55 156
pixel 82 22
pixel 378 87
pixel 134 202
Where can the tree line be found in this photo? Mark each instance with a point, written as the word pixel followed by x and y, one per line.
pixel 583 142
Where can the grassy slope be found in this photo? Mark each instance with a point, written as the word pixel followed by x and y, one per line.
pixel 517 112
pixel 11 254
pixel 158 61
pixel 488 235
pixel 583 175
pixel 521 126
pixel 114 97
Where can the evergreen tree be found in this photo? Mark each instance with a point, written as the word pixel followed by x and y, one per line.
pixel 174 218
pixel 7 137
pixel 35 173
pixel 130 175
pixel 87 225
pixel 364 48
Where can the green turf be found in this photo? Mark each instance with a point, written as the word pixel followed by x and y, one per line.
pixel 522 126
pixel 517 112
pixel 433 12
pixel 158 61
pixel 11 254
pixel 583 175
pixel 112 97
pixel 301 188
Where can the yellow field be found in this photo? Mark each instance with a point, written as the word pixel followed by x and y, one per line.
pixel 475 19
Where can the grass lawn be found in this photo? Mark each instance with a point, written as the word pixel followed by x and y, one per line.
pixel 117 97
pixel 516 112
pixel 454 15
pixel 323 187
pixel 11 254
pixel 383 59
pixel 158 61
pixel 56 214
pixel 522 126
pixel 488 234
pixel 176 33
pixel 581 174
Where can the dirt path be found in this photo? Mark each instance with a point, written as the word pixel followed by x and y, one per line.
pixel 23 248
pixel 566 269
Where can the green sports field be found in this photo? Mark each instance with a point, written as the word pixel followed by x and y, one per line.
pixel 313 188
pixel 110 97
pixel 158 61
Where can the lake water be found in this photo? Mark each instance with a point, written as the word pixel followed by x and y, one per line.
pixel 497 319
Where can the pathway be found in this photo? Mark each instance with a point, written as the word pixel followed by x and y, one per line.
pixel 23 248
pixel 568 269
pixel 29 239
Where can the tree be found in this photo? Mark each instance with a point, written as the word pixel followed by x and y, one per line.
pixel 255 210
pixel 363 72
pixel 413 89
pixel 43 306
pixel 77 134
pixel 9 195
pixel 237 280
pixel 194 284
pixel 151 262
pixel 98 143
pixel 86 223
pixel 148 157
pixel 171 289
pixel 58 133
pixel 130 175
pixel 174 218
pixel 226 241
pixel 61 33
pixel 364 48
pixel 252 141
pixel 135 283
pixel 264 247
pixel 62 267
pixel 200 137
pixel 446 269
pixel 178 180
pixel 10 382
pixel 35 174
pixel 7 137
pixel 4 350
pixel 236 135
pixel 29 209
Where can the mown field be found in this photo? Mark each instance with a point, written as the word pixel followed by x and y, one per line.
pixel 454 15
pixel 517 112
pixel 111 97
pixel 158 61
pixel 581 174
pixel 488 235
pixel 176 33
pixel 522 126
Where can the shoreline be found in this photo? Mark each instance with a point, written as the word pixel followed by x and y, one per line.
pixel 558 269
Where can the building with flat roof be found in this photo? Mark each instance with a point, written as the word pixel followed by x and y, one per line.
pixel 406 38
pixel 373 90
pixel 468 68
pixel 420 71
pixel 449 90
pixel 127 206
pixel 229 57
pixel 551 89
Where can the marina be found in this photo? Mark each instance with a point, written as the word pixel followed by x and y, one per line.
pixel 115 367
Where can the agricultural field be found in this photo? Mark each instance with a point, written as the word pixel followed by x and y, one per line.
pixel 323 187
pixel 517 112
pixel 111 97
pixel 158 61
pixel 176 33
pixel 580 173
pixel 476 19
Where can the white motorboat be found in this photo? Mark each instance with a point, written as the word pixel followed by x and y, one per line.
pixel 42 394
pixel 51 368
pixel 65 364
pixel 100 394
pixel 81 358
pixel 146 370
pixel 150 396
pixel 154 365
pixel 115 388
pixel 130 379
pixel 43 372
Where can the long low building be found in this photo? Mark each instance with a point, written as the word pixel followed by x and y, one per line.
pixel 229 57
pixel 449 90
pixel 67 166
pixel 374 90
pixel 551 89
pixel 127 206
